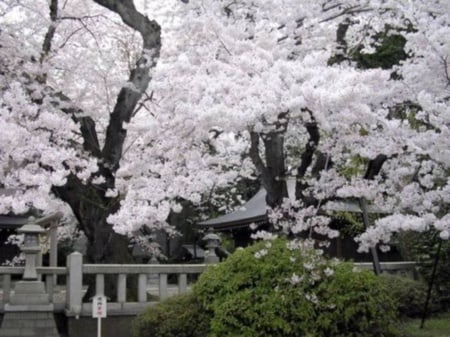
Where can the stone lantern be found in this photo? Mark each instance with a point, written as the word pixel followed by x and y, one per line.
pixel 212 242
pixel 30 248
pixel 29 312
pixel 30 291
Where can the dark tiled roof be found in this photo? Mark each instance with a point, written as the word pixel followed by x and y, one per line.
pixel 253 211
pixel 12 221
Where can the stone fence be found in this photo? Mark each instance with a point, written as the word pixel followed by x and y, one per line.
pixel 152 283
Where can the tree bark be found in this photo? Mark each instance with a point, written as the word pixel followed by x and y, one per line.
pixel 87 200
pixel 272 170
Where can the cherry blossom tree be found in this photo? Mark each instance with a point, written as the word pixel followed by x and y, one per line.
pixel 52 99
pixel 261 90
pixel 268 75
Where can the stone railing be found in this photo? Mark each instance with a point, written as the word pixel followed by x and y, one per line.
pixel 159 272
pixel 401 268
pixel 152 283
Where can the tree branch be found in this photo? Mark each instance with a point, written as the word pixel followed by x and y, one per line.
pixel 47 44
pixel 374 166
pixel 273 170
pixel 62 102
pixel 346 11
pixel 311 145
pixel 87 124
pixel 138 82
pixel 307 158
pixel 446 70
pixel 255 156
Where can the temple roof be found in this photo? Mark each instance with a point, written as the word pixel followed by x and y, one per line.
pixel 12 221
pixel 253 211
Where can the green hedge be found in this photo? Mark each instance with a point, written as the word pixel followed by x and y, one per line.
pixel 410 296
pixel 178 316
pixel 269 290
pixel 288 293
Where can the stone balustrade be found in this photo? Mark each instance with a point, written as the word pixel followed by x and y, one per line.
pixel 67 297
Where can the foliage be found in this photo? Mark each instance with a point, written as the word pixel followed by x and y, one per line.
pixel 224 90
pixel 422 248
pixel 388 52
pixel 274 289
pixel 178 316
pixel 410 295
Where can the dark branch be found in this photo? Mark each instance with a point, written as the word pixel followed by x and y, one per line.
pixel 255 156
pixel 47 44
pixel 87 124
pixel 311 146
pixel 307 159
pixel 348 11
pixel 129 95
pixel 374 166
pixel 59 100
pixel 273 171
pixel 446 70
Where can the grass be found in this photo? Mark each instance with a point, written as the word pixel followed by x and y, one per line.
pixel 438 326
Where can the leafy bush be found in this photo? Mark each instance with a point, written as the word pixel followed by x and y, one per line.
pixel 410 295
pixel 271 290
pixel 423 247
pixel 178 316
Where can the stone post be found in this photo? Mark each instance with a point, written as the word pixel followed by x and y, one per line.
pixel 212 242
pixel 53 233
pixel 74 290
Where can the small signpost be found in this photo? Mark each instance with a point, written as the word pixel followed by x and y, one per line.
pixel 99 311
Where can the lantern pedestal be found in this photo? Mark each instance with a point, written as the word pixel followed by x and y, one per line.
pixel 29 295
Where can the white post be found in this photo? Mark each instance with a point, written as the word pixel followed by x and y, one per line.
pixel 182 283
pixel 122 288
pixel 142 288
pixel 74 289
pixel 100 284
pixel 99 327
pixel 54 247
pixel 163 291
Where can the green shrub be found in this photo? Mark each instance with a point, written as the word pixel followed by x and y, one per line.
pixel 178 316
pixel 292 293
pixel 410 295
pixel 422 248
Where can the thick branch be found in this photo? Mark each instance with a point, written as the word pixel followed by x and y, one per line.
pixel 374 167
pixel 273 170
pixel 87 124
pixel 138 81
pixel 307 158
pixel 347 11
pixel 275 165
pixel 256 158
pixel 311 146
pixel 47 44
pixel 446 70
pixel 60 101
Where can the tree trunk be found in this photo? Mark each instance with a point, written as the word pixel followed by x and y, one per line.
pixel 92 208
pixel 87 200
